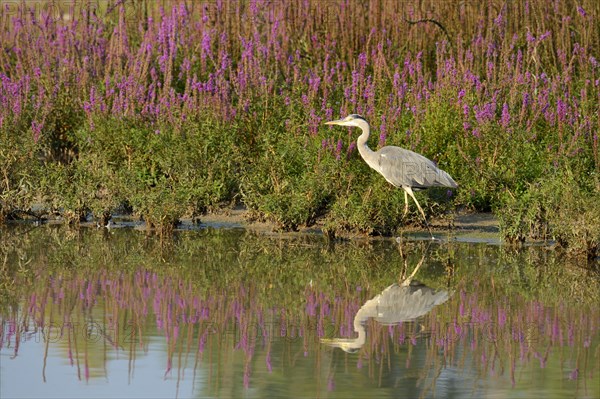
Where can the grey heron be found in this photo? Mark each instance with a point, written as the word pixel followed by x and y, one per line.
pixel 399 166
pixel 406 301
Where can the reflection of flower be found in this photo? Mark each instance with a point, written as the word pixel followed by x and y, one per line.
pixel 497 329
pixel 574 374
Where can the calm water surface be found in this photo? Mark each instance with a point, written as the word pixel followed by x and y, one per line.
pixel 233 313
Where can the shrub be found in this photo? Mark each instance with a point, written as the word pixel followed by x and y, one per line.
pixel 555 207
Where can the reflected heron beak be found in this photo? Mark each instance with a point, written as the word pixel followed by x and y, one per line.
pixel 348 345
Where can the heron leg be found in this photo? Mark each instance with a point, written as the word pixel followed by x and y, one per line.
pixel 405 203
pixel 408 190
pixel 408 280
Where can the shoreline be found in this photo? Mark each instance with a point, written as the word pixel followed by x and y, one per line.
pixel 469 227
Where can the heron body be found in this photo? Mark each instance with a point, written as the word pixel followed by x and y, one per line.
pixel 401 167
pixel 395 304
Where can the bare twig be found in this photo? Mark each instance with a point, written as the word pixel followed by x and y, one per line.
pixel 433 21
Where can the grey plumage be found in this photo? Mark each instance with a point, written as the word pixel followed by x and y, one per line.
pixel 399 166
pixel 403 167
pixel 399 303
pixel 395 304
pixel 406 301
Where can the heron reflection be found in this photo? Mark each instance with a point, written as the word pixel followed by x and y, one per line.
pixel 397 303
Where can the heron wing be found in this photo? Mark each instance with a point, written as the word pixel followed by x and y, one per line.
pixel 403 167
pixel 404 303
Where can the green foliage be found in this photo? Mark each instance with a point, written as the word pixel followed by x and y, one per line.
pixel 167 174
pixel 233 111
pixel 372 208
pixel 161 174
pixel 556 206
pixel 284 182
pixel 484 162
pixel 19 173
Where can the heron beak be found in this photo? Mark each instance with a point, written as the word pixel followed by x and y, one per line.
pixel 335 122
pixel 347 345
pixel 334 343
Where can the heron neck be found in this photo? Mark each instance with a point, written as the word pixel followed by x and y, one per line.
pixel 362 335
pixel 361 142
pixel 359 319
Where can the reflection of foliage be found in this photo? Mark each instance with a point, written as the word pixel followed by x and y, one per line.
pixel 16 253
pixel 218 258
pixel 214 289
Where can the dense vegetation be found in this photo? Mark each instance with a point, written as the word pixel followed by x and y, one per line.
pixel 171 109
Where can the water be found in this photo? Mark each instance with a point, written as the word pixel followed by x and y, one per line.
pixel 233 313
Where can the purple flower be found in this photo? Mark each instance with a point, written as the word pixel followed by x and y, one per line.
pixel 338 149
pixel 544 35
pixel 505 119
pixel 574 374
pixel 36 129
pixel 351 149
pixel 526 100
pixel 581 11
pixel 499 19
pixel 314 82
pixel 382 131
pixel 490 69
pixel 561 110
pixel 485 113
pixel 466 110
pixel 362 61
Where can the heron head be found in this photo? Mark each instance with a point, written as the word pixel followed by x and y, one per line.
pixel 350 120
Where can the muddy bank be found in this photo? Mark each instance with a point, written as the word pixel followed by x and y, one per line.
pixel 462 227
pixel 466 227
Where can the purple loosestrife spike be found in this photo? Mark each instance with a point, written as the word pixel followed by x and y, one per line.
pixel 505 119
pixel 526 100
pixel 561 110
pixel 362 62
pixel 529 37
pixel 305 100
pixel 574 374
pixel 382 131
pixel 351 149
pixel 499 20
pixel 314 82
pixel 544 36
pixel 490 70
pixel 36 129
pixel 338 149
